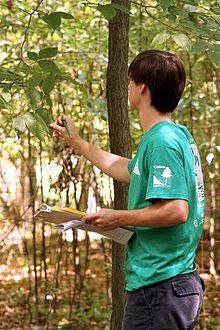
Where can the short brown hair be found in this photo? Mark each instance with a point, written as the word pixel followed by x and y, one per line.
pixel 163 73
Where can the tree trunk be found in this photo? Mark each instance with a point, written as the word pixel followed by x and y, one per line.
pixel 117 100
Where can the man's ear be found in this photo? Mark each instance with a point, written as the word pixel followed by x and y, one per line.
pixel 142 88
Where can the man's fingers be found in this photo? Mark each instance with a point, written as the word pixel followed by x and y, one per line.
pixel 89 217
pixel 56 127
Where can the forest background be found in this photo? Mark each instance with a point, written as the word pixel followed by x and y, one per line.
pixel 54 57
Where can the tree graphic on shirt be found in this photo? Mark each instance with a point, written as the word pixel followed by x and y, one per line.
pixel 166 174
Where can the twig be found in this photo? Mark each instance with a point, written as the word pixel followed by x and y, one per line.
pixel 7 234
pixel 27 28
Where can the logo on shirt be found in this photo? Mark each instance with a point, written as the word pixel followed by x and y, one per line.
pixel 199 176
pixel 136 169
pixel 162 176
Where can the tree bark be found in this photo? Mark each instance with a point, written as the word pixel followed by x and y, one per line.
pixel 117 101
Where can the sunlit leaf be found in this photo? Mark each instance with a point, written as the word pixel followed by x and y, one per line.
pixel 18 123
pixel 160 38
pixel 48 52
pixel 181 40
pixel 3 103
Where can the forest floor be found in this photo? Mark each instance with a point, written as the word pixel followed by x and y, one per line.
pixel 70 302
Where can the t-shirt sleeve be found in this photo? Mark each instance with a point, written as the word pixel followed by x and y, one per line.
pixel 167 179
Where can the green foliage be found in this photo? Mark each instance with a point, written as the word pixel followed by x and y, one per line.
pixel 110 10
pixel 54 19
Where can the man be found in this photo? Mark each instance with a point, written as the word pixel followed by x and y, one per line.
pixel 166 199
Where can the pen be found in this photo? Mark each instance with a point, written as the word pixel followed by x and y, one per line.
pixel 65 126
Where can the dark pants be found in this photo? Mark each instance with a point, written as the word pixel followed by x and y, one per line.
pixel 173 304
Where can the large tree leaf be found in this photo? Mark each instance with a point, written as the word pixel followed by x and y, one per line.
pixel 48 52
pixel 181 40
pixel 214 54
pixel 18 123
pixel 53 20
pixel 34 97
pixel 35 80
pixel 65 15
pixel 36 125
pixel 32 56
pixel 3 103
pixel 48 83
pixel 216 10
pixel 108 11
pixel 121 8
pixel 44 114
pixel 48 65
pixel 160 38
pixel 164 3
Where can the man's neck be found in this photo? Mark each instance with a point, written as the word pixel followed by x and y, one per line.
pixel 150 117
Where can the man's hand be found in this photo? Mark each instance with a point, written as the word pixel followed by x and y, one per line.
pixel 105 219
pixel 64 127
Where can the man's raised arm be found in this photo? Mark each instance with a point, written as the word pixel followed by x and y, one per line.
pixel 113 165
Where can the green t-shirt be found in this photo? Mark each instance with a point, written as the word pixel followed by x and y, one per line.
pixel 166 166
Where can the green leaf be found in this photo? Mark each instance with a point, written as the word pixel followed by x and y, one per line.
pixel 35 80
pixel 177 11
pixel 49 101
pixel 121 8
pixel 65 15
pixel 36 125
pixel 160 38
pixel 25 68
pixel 6 94
pixel 45 116
pixel 215 10
pixel 48 83
pixel 48 52
pixel 181 40
pixel 171 17
pixel 53 20
pixel 8 76
pixel 108 11
pixel 18 124
pixel 32 56
pixel 49 66
pixel 34 97
pixel 3 103
pixel 214 54
pixel 164 4
pixel 200 47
